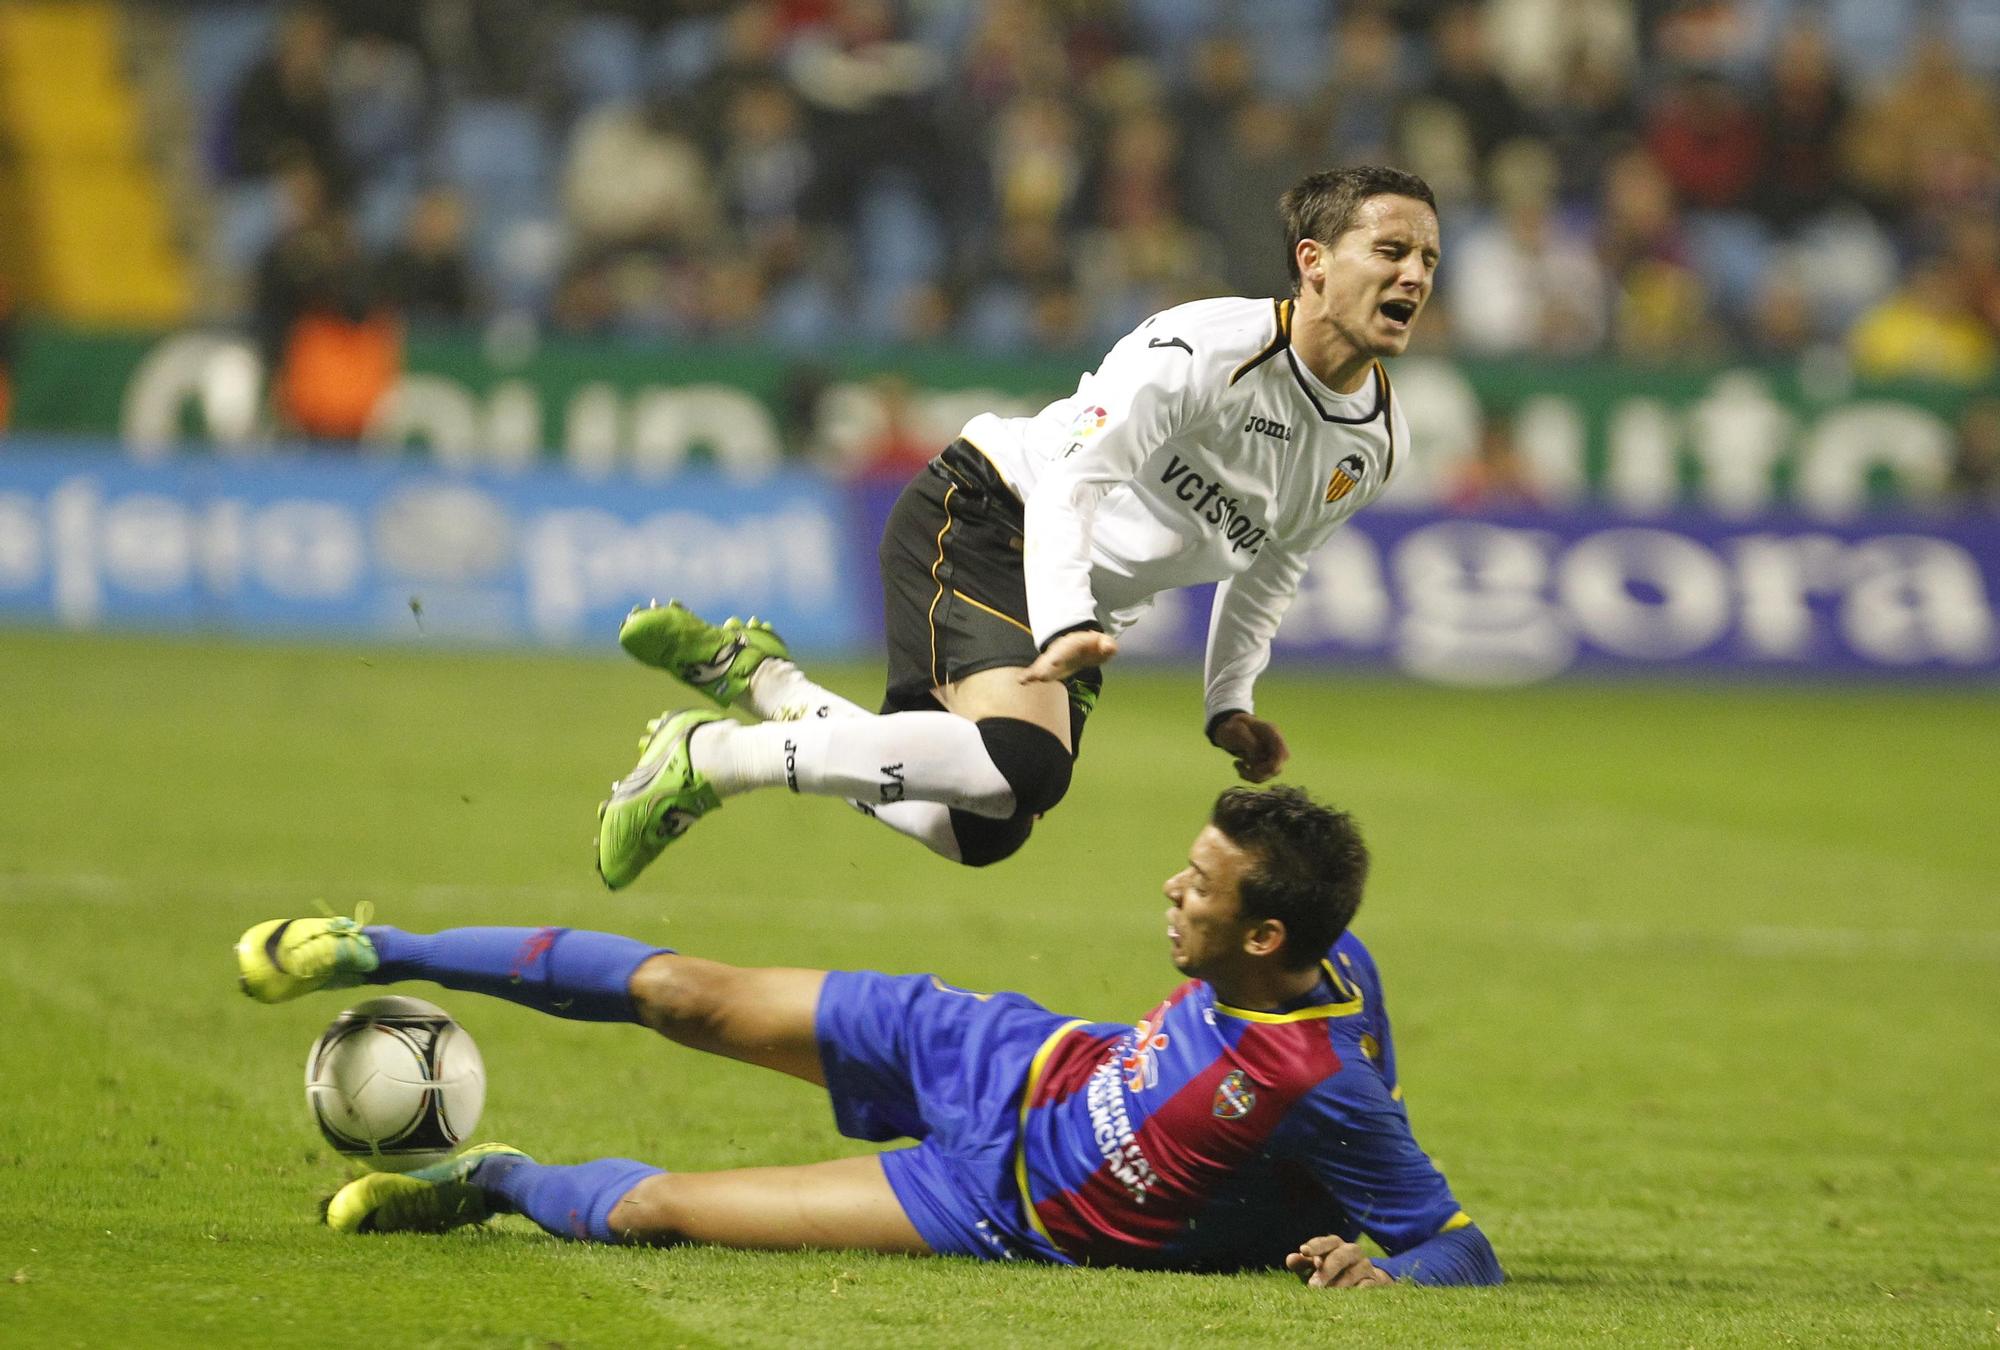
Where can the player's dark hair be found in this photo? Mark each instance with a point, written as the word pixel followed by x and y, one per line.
pixel 1310 868
pixel 1322 205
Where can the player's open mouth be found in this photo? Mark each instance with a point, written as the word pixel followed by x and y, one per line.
pixel 1399 312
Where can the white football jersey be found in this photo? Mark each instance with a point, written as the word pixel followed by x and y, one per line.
pixel 1202 449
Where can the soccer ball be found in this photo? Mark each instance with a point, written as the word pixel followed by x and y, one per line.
pixel 395 1083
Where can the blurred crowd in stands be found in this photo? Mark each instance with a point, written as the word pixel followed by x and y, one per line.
pixel 1652 179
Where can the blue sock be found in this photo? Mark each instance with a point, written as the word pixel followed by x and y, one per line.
pixel 572 1202
pixel 567 972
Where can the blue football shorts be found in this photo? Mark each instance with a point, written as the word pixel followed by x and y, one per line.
pixel 910 1057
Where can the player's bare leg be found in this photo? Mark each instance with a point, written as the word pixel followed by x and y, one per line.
pixel 845 1204
pixel 760 1015
pixel 1000 693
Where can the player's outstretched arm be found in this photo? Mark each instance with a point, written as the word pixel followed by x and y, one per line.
pixel 1460 1255
pixel 1259 749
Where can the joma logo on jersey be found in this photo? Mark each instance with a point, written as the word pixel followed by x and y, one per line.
pixel 1210 505
pixel 1264 426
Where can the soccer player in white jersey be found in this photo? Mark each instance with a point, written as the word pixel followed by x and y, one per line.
pixel 1222 440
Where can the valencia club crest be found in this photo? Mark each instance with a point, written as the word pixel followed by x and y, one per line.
pixel 1345 477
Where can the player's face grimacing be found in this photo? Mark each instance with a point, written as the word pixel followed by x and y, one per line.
pixel 1376 277
pixel 1206 930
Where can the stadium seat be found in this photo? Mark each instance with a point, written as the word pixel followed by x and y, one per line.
pixel 603 60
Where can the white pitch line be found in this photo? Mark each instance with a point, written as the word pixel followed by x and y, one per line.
pixel 1754 941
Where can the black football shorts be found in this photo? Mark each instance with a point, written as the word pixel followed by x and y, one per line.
pixel 954 597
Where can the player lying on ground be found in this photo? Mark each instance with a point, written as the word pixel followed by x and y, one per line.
pixel 1222 441
pixel 1252 1119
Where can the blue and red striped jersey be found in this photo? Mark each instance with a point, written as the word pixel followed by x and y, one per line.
pixel 1213 1137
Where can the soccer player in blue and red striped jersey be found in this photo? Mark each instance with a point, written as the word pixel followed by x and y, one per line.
pixel 1251 1120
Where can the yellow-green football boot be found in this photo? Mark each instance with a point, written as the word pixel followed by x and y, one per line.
pixel 434 1199
pixel 654 804
pixel 281 959
pixel 713 659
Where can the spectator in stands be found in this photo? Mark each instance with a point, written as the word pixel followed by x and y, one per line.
pixel 1496 478
pixel 871 98
pixel 1782 323
pixel 1522 283
pixel 282 110
pixel 642 214
pixel 1261 160
pixel 750 57
pixel 1927 330
pixel 334 345
pixel 1353 116
pixel 1591 125
pixel 1705 137
pixel 426 275
pixel 1465 79
pixel 1222 78
pixel 1658 308
pixel 1931 138
pixel 1025 299
pixel 1972 243
pixel 1537 45
pixel 1037 161
pixel 900 448
pixel 1801 116
pixel 1975 470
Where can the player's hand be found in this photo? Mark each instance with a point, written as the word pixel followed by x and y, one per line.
pixel 1333 1262
pixel 1260 751
pixel 1070 653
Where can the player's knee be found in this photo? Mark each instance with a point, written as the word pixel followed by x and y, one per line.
pixel 1033 760
pixel 983 841
pixel 682 997
pixel 653 1213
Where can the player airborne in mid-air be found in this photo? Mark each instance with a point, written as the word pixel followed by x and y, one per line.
pixel 1251 1120
pixel 1222 440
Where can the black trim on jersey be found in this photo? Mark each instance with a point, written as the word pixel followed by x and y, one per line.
pixel 1218 720
pixel 1381 394
pixel 1282 310
pixel 1388 423
pixel 1087 626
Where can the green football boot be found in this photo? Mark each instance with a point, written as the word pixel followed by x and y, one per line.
pixel 713 659
pixel 434 1199
pixel 654 804
pixel 281 959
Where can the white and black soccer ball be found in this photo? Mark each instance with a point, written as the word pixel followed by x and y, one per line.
pixel 395 1083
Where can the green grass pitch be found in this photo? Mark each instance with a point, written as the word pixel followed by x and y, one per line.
pixel 1697 992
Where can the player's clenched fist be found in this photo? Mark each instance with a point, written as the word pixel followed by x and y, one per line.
pixel 1334 1263
pixel 1260 751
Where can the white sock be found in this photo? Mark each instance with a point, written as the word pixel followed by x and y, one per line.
pixel 929 823
pixel 873 761
pixel 780 692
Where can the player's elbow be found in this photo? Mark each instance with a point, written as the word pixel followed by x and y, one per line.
pixel 1462 1256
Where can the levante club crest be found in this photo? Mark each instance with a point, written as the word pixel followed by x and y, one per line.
pixel 1233 1097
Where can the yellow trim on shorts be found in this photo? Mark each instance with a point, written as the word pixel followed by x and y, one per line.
pixel 930 615
pixel 1035 1067
pixel 994 612
pixel 1456 1222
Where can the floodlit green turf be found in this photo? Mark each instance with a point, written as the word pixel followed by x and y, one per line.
pixel 1697 993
